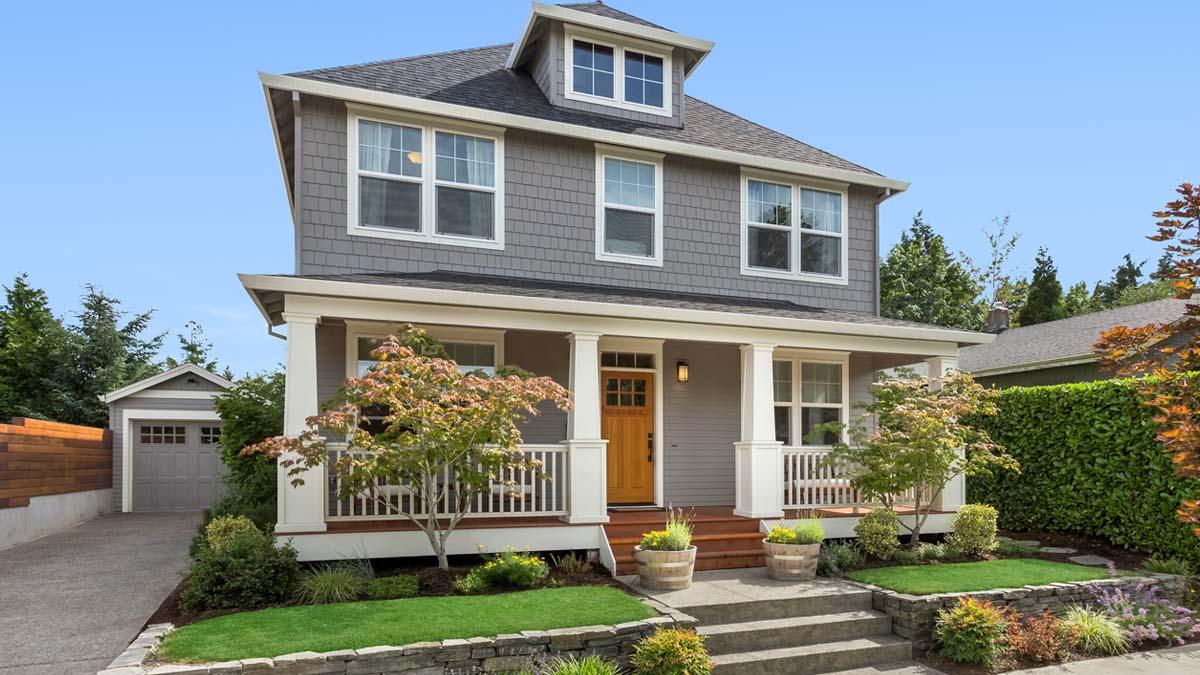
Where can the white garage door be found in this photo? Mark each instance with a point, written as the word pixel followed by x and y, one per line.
pixel 174 465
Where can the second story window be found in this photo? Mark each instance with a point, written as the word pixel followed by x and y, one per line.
pixel 593 69
pixel 617 71
pixel 628 207
pixel 393 192
pixel 643 79
pixel 793 230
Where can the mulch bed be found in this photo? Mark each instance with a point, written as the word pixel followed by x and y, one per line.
pixel 1124 559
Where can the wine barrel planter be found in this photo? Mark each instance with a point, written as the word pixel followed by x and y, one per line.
pixel 665 570
pixel 791 562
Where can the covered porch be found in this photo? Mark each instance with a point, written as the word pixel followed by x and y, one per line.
pixel 675 405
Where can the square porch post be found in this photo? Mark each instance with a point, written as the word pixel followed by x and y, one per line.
pixel 954 494
pixel 302 508
pixel 587 462
pixel 758 468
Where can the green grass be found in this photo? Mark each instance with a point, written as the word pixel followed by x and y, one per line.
pixel 352 625
pixel 975 576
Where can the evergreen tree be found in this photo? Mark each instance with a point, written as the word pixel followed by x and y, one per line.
pixel 31 345
pixel 1126 275
pixel 1164 268
pixel 1044 301
pixel 922 281
pixel 195 349
pixel 1077 300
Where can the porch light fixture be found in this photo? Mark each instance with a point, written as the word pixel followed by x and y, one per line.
pixel 681 371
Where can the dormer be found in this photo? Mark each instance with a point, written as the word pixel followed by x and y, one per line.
pixel 596 59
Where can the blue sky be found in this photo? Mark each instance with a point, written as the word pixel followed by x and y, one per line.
pixel 137 152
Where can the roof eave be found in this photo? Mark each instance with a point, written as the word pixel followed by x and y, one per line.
pixel 153 380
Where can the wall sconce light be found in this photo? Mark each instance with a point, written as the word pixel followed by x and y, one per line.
pixel 681 371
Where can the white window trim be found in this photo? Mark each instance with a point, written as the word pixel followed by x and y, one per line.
pixel 797 358
pixel 656 160
pixel 372 329
pixel 796 184
pixel 571 33
pixel 429 126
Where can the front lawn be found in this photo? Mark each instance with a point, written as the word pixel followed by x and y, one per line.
pixel 353 625
pixel 975 576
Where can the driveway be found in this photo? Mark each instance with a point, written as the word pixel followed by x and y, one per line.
pixel 72 601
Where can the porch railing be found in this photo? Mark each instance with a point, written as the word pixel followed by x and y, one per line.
pixel 541 492
pixel 811 483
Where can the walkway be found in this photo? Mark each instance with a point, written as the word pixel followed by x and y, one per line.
pixel 1174 661
pixel 72 601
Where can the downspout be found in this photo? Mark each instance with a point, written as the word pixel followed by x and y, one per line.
pixel 885 195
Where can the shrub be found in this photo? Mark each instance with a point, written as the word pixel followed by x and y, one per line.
pixel 877 533
pixel 974 530
pixel 509 569
pixel 970 632
pixel 334 582
pixel 251 410
pixel 677 536
pixel 905 557
pixel 809 531
pixel 1089 465
pixel 1095 632
pixel 1040 638
pixel 1159 564
pixel 838 558
pixel 572 564
pixel 671 651
pixel 249 572
pixel 589 665
pixel 392 588
pixel 931 552
pixel 781 535
pixel 1145 616
pixel 227 531
pixel 1013 549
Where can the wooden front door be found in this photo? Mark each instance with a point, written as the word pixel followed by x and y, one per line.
pixel 627 423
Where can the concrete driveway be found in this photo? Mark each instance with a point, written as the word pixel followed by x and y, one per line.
pixel 72 601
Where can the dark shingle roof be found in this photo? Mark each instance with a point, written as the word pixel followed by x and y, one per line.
pixel 1065 338
pixel 601 9
pixel 457 281
pixel 478 78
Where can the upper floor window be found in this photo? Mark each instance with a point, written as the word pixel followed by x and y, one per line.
pixel 628 207
pixel 631 75
pixel 793 230
pixel 393 193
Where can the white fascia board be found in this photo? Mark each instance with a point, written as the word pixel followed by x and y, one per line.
pixel 347 289
pixel 1059 362
pixel 604 23
pixel 509 120
pixel 187 368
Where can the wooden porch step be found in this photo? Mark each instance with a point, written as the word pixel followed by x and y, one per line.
pixel 705 542
pixel 706 560
pixel 728 524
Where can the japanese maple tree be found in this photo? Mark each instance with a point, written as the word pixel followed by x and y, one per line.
pixel 1165 356
pixel 430 421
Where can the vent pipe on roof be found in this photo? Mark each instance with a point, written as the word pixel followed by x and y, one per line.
pixel 997 319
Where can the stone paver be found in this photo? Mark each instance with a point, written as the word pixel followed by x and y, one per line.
pixel 1031 543
pixel 722 587
pixel 72 601
pixel 1093 560
pixel 1174 661
pixel 1059 550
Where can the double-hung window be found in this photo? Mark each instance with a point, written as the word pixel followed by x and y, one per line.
pixel 628 207
pixel 808 393
pixel 633 75
pixel 793 230
pixel 395 192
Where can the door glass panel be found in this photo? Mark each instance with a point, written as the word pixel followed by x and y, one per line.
pixel 639 400
pixel 626 385
pixel 610 399
pixel 626 399
pixel 639 385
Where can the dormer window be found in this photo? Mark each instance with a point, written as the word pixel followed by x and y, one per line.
pixel 617 71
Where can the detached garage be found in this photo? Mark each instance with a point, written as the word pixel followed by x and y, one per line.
pixel 165 433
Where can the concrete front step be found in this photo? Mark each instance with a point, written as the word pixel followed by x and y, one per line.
pixel 727 638
pixel 826 657
pixel 706 560
pixel 817 603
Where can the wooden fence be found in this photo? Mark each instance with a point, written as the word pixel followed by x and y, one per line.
pixel 46 458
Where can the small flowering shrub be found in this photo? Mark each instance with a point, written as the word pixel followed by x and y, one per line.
pixel 931 552
pixel 677 536
pixel 970 632
pixel 974 530
pixel 671 651
pixel 877 532
pixel 781 535
pixel 1043 639
pixel 509 569
pixel 1147 617
pixel 809 531
pixel 1095 632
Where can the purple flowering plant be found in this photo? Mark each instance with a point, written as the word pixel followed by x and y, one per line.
pixel 1147 617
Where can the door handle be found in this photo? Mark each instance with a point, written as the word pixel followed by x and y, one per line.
pixel 650 447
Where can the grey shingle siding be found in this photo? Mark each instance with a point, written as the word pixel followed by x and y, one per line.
pixel 550 221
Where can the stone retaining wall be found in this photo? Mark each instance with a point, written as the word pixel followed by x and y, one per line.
pixel 515 652
pixel 913 616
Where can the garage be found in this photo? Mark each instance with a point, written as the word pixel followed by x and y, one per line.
pixel 166 436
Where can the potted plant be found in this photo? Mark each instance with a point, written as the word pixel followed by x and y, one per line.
pixel 792 552
pixel 666 558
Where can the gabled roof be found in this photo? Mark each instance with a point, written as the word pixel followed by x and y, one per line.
pixel 1063 342
pixel 185 369
pixel 478 78
pixel 601 9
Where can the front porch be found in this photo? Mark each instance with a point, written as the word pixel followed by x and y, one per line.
pixel 707 410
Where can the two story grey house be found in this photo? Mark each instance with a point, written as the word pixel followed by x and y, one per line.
pixel 707 288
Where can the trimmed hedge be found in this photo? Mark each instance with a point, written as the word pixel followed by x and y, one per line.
pixel 1089 465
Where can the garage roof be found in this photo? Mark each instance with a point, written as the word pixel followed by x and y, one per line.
pixel 185 369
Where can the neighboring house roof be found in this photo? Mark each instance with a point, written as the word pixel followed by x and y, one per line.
pixel 610 295
pixel 478 78
pixel 185 369
pixel 1063 342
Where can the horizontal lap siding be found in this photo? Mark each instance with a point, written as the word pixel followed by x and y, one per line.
pixel 701 423
pixel 542 354
pixel 550 224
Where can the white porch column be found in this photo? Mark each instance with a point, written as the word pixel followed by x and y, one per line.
pixel 759 457
pixel 954 494
pixel 587 463
pixel 301 509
